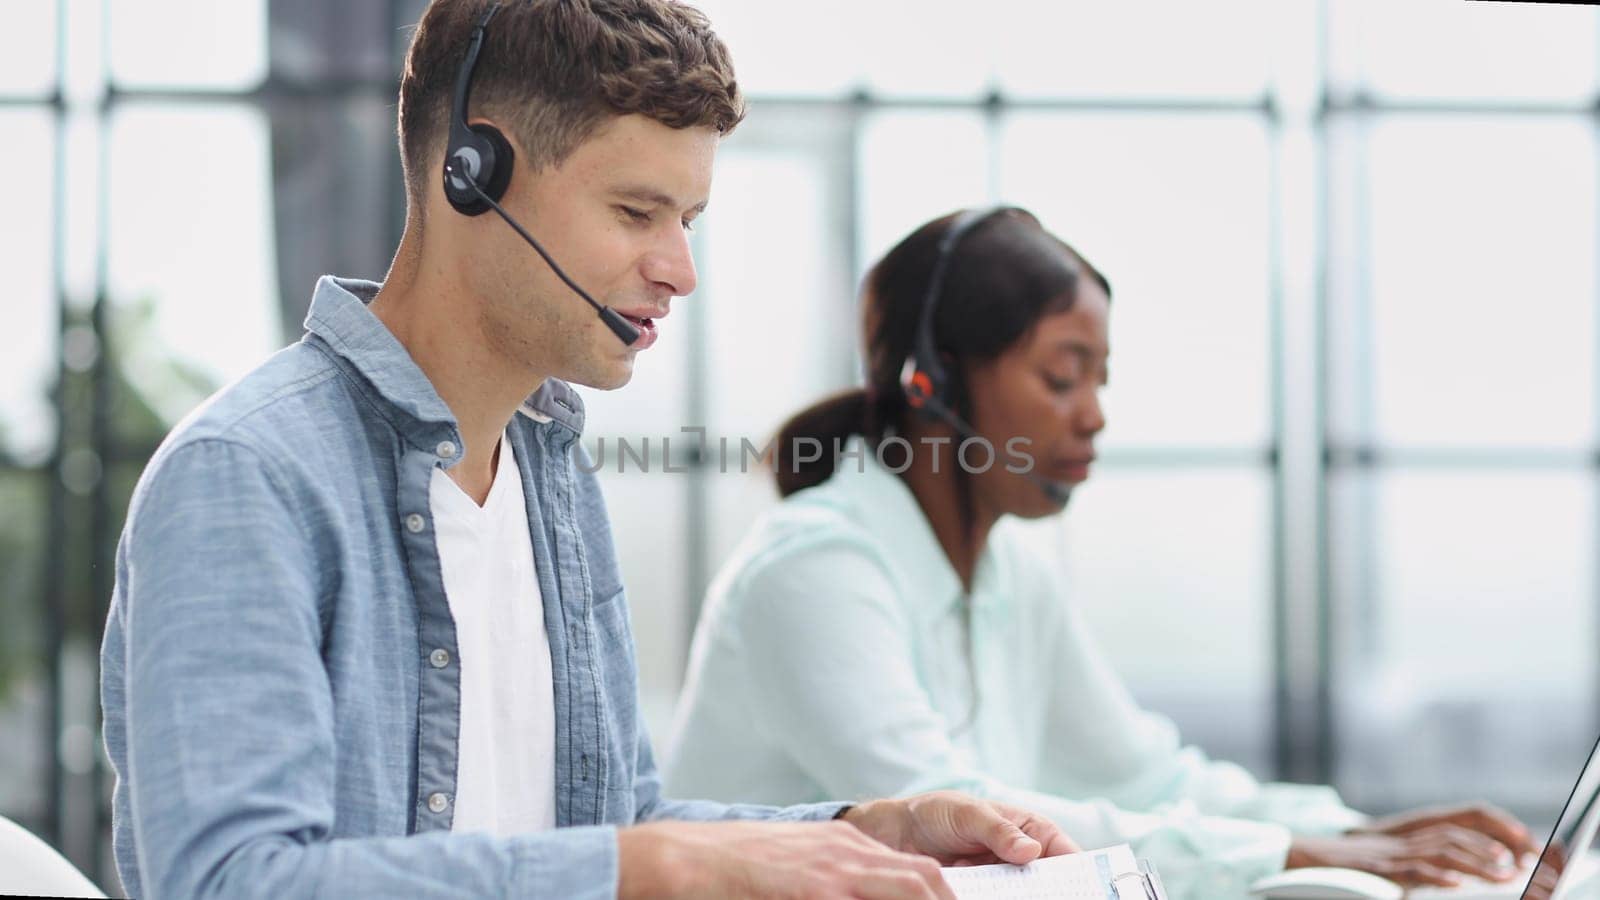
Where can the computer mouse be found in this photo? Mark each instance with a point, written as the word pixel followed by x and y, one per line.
pixel 1326 884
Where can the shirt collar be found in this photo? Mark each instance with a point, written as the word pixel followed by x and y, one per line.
pixel 340 318
pixel 889 511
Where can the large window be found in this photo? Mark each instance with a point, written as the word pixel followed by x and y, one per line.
pixel 1461 426
pixel 143 273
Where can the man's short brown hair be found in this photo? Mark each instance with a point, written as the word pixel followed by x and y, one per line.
pixel 551 72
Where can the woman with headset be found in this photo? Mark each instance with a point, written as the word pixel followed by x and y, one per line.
pixel 883 631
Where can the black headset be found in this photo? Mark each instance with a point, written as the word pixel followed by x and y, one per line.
pixel 923 377
pixel 477 170
pixel 484 153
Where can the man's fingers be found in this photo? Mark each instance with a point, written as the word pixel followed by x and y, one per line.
pixel 1054 841
pixel 928 869
pixel 1013 845
pixel 986 824
pixel 868 883
pixel 1051 838
pixel 894 875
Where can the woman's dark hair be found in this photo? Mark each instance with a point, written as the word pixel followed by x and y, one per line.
pixel 1005 274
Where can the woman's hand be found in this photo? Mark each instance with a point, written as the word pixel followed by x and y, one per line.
pixel 1430 846
pixel 1483 818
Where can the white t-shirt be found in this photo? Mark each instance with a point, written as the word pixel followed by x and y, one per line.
pixel 505 780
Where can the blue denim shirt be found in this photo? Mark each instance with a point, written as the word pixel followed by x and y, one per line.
pixel 280 676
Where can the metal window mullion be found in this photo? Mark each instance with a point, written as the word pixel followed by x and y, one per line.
pixel 697 500
pixel 103 439
pixel 1282 696
pixel 1364 562
pixel 55 525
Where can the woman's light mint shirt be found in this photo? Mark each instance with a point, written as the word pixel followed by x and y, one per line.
pixel 831 661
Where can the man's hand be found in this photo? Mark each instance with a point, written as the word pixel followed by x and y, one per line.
pixel 960 830
pixel 1432 846
pixel 790 861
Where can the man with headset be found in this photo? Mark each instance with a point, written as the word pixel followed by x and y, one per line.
pixel 368 634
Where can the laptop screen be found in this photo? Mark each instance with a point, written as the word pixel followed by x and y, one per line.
pixel 1573 834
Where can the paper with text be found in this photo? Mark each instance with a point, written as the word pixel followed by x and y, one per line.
pixel 1090 875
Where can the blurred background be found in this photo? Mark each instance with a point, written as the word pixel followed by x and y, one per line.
pixel 1345 522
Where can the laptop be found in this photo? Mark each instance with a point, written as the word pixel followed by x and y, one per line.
pixel 1567 862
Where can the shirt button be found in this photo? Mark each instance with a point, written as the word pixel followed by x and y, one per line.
pixel 415 523
pixel 446 449
pixel 438 802
pixel 439 658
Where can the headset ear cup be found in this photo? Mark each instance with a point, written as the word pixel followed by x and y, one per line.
pixel 499 164
pixel 494 164
pixel 463 198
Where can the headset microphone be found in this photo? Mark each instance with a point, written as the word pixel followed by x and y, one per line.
pixel 923 377
pixel 619 326
pixel 1058 493
pixel 477 171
